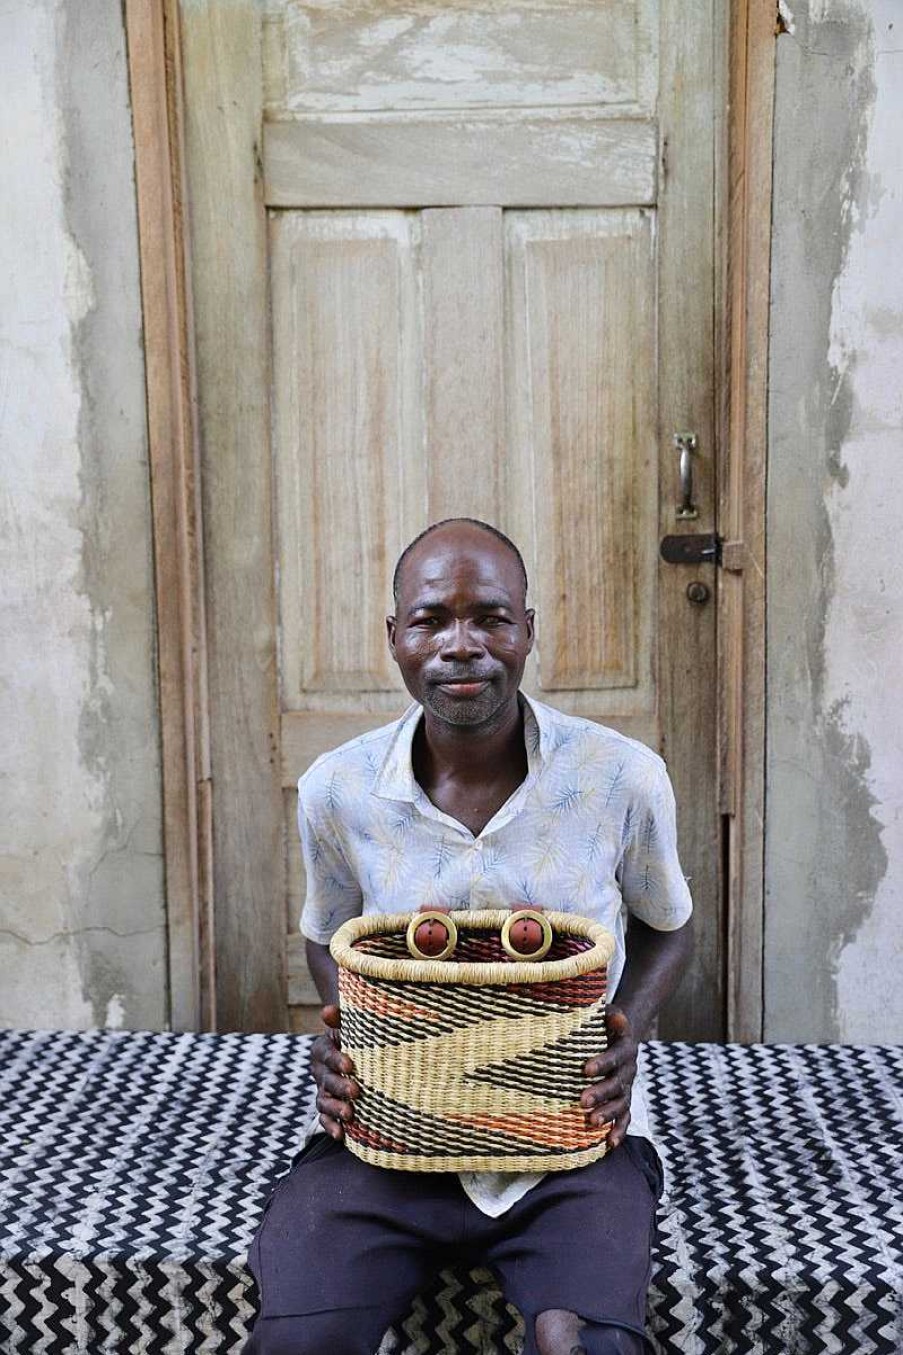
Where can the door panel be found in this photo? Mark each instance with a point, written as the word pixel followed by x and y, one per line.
pixel 349 57
pixel 349 472
pixel 504 159
pixel 582 391
pixel 395 405
pixel 462 285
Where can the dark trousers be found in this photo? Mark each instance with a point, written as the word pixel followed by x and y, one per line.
pixel 343 1248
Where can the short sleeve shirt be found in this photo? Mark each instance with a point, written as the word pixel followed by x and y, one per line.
pixel 591 830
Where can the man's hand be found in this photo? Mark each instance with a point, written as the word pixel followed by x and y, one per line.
pixel 609 1098
pixel 333 1071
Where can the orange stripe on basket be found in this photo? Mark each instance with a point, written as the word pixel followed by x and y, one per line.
pixel 567 1129
pixel 370 1138
pixel 366 997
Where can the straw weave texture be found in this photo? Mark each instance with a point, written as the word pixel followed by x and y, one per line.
pixel 473 1063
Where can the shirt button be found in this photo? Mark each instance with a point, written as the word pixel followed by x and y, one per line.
pixel 479 844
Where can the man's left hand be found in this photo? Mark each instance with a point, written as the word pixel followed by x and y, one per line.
pixel 609 1098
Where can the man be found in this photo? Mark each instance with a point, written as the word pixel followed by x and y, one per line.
pixel 478 797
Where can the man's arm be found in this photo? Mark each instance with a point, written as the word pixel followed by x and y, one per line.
pixel 332 1070
pixel 655 962
pixel 324 971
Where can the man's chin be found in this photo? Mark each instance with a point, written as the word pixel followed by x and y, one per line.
pixel 464 712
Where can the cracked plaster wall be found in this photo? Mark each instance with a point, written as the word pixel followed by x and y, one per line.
pixel 82 922
pixel 82 914
pixel 834 812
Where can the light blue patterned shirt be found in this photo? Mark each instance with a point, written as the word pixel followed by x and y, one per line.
pixel 591 830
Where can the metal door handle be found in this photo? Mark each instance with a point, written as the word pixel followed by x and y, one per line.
pixel 686 446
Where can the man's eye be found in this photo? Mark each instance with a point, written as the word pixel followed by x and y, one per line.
pixel 495 620
pixel 426 621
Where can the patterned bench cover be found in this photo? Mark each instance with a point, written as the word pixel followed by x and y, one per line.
pixel 134 1169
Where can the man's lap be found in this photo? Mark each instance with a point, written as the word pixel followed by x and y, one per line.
pixel 340 1234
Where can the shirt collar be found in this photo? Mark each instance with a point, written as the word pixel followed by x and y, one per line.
pixel 395 778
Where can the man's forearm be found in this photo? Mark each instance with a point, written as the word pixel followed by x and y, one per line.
pixel 655 962
pixel 324 971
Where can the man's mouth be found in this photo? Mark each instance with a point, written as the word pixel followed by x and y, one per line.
pixel 463 687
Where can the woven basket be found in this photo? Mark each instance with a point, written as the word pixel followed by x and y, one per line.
pixel 473 1063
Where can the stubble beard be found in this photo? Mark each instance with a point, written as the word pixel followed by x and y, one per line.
pixel 466 713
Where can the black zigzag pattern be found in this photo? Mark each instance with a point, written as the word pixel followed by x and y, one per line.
pixel 460 1005
pixel 133 1172
pixel 782 1227
pixel 555 1065
pixel 134 1169
pixel 431 1136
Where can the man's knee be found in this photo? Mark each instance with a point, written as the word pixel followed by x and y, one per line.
pixel 559 1332
pixel 336 1333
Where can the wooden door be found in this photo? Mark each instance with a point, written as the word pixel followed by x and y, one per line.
pixel 466 250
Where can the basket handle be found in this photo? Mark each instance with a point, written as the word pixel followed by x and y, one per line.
pixel 527 934
pixel 433 935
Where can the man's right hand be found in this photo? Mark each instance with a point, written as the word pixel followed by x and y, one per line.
pixel 333 1072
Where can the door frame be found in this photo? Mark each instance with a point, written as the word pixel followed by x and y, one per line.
pixel 215 592
pixel 155 87
pixel 743 205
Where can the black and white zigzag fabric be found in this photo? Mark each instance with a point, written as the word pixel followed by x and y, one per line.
pixel 134 1169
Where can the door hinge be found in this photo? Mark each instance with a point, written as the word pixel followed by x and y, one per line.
pixel 697 548
pixel 704 548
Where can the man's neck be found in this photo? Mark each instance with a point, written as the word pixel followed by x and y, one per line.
pixel 471 755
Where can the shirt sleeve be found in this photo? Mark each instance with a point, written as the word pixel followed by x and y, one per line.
pixel 333 892
pixel 653 885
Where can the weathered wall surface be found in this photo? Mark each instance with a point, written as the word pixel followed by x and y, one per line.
pixel 82 934
pixel 82 917
pixel 834 831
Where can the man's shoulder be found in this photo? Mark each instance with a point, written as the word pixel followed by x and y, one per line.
pixel 565 732
pixel 353 765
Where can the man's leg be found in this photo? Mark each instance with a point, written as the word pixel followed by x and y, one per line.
pixel 342 1249
pixel 574 1254
pixel 347 1331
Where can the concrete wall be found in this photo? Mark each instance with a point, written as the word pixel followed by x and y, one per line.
pixel 82 921
pixel 834 831
pixel 82 916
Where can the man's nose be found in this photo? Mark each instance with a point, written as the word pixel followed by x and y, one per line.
pixel 460 642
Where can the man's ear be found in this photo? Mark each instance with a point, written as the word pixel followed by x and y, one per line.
pixel 390 634
pixel 531 632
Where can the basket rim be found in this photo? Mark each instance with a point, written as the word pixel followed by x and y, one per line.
pixel 474 972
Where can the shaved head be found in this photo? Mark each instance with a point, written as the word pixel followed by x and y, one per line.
pixel 454 522
pixel 463 631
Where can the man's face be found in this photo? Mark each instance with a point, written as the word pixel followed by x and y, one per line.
pixel 461 633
